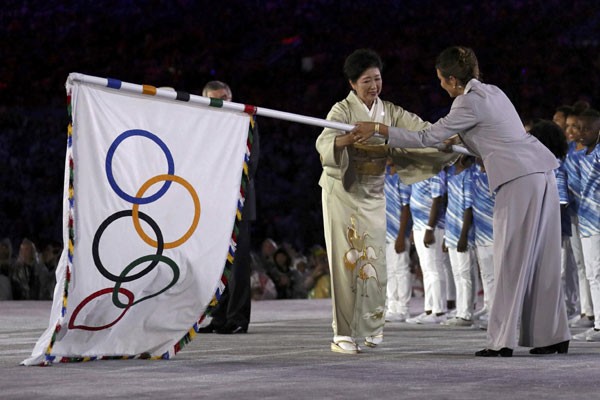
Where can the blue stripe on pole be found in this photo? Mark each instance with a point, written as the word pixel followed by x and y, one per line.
pixel 113 83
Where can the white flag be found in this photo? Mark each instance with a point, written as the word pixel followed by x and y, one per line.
pixel 152 187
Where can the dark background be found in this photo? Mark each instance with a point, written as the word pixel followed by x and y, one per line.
pixel 284 55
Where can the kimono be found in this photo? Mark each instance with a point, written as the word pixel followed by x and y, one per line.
pixel 354 216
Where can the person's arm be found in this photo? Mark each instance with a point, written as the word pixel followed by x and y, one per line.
pixel 331 143
pixel 344 140
pixel 463 241
pixel 429 237
pixel 460 118
pixel 400 245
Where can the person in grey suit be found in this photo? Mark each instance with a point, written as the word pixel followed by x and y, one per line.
pixel 527 233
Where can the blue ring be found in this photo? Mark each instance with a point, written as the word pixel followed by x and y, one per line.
pixel 111 178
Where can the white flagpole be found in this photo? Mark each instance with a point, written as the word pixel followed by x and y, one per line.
pixel 227 105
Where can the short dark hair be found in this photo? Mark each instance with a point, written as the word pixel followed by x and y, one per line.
pixel 565 109
pixel 360 61
pixel 551 136
pixel 590 119
pixel 215 85
pixel 459 62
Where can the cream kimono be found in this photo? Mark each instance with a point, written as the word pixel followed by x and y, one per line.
pixel 354 210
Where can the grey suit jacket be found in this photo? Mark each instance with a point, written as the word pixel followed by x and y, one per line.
pixel 490 127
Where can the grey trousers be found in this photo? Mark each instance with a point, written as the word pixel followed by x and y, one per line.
pixel 527 240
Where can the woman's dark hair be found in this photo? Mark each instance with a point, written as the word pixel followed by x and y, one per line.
pixel 551 136
pixel 459 62
pixel 359 61
pixel 579 106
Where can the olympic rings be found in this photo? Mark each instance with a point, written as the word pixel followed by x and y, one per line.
pixel 111 178
pixel 92 297
pixel 136 215
pixel 190 231
pixel 157 257
pixel 96 245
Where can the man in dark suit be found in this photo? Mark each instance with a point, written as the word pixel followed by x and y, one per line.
pixel 232 313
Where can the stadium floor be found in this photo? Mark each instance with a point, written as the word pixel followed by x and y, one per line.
pixel 286 355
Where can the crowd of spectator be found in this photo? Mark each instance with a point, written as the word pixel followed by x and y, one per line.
pixel 31 274
pixel 285 55
pixel 278 271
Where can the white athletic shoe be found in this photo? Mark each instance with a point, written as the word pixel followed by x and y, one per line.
pixel 583 335
pixel 415 320
pixel 432 319
pixel 396 317
pixel 457 321
pixel 480 313
pixel 593 335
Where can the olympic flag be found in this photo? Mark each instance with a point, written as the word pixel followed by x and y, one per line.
pixel 152 190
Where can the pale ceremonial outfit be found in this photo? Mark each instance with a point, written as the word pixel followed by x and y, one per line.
pixel 527 233
pixel 354 216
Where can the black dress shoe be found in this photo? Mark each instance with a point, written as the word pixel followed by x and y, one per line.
pixel 560 348
pixel 231 329
pixel 503 352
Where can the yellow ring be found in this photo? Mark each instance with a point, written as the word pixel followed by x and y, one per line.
pixel 190 231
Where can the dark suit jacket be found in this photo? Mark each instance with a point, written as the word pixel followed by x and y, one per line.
pixel 249 212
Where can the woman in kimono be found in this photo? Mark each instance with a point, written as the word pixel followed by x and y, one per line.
pixel 527 232
pixel 354 203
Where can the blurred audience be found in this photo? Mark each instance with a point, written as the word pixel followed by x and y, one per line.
pixel 275 56
pixel 5 266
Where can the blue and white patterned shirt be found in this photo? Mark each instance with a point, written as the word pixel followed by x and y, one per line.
pixel 589 203
pixel 561 182
pixel 563 193
pixel 483 208
pixel 421 199
pixel 571 167
pixel 460 198
pixel 397 194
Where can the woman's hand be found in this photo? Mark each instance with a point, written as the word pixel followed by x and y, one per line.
pixel 364 130
pixel 448 143
pixel 345 140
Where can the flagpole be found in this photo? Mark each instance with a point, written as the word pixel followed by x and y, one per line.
pixel 170 94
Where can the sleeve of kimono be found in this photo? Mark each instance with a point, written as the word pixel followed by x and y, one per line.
pixel 333 160
pixel 417 164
